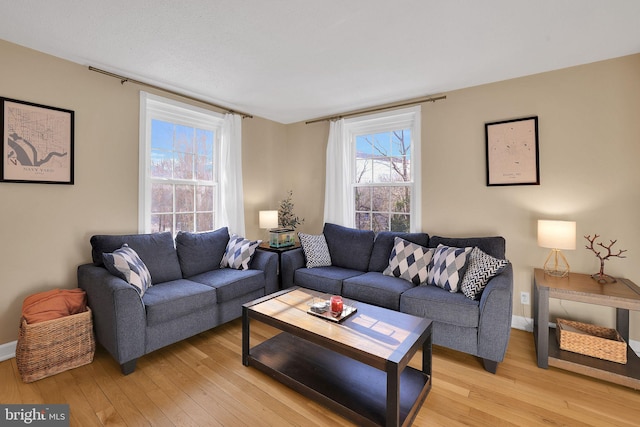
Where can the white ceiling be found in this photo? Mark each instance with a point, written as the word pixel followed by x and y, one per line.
pixel 294 60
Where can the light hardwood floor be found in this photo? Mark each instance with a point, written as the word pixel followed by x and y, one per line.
pixel 202 382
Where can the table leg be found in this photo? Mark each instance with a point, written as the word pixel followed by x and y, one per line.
pixel 393 395
pixel 426 356
pixel 622 323
pixel 541 325
pixel 245 336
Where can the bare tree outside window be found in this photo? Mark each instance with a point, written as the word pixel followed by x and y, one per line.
pixel 182 175
pixel 383 181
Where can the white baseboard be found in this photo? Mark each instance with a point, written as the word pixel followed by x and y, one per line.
pixel 526 324
pixel 522 323
pixel 8 350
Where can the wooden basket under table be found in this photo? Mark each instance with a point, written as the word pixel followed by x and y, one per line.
pixel 54 346
pixel 591 340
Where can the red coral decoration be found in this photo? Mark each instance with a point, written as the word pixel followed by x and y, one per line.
pixel 601 277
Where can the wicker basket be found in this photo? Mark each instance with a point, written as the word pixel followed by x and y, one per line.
pixel 591 340
pixel 54 346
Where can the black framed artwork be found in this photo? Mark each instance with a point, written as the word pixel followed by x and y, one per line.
pixel 37 143
pixel 512 152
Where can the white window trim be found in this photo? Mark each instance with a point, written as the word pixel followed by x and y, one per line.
pixel 153 106
pixel 380 122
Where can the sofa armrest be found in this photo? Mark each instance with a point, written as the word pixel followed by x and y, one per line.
pixel 268 263
pixel 496 306
pixel 290 261
pixel 119 317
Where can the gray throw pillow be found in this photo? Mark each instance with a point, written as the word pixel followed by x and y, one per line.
pixel 127 265
pixel 448 267
pixel 409 261
pixel 239 252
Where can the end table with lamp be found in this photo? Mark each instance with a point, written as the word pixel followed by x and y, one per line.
pixel 623 295
pixel 280 239
pixel 266 247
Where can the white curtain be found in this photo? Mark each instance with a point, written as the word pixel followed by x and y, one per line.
pixel 338 198
pixel 231 200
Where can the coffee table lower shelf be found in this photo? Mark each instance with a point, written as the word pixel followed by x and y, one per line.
pixel 349 387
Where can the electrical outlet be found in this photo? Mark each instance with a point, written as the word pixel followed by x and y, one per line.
pixel 524 298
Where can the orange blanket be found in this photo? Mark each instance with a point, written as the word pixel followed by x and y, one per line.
pixel 53 304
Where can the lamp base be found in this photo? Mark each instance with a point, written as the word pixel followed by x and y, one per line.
pixel 558 267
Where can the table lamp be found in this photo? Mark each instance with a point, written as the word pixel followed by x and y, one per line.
pixel 268 219
pixel 556 235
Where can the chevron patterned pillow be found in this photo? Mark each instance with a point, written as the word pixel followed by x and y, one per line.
pixel 482 267
pixel 409 261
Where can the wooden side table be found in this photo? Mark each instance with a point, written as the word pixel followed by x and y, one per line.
pixel 622 295
pixel 265 247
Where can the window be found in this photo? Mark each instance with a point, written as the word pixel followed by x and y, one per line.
pixel 179 155
pixel 386 170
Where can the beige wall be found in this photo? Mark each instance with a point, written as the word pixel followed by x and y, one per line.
pixel 45 229
pixel 589 132
pixel 589 145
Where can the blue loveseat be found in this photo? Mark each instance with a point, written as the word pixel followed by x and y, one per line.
pixel 190 293
pixel 358 258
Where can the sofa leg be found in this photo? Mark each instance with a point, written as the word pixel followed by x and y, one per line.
pixel 128 367
pixel 490 365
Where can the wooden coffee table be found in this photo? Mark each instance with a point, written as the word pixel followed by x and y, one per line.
pixel 358 368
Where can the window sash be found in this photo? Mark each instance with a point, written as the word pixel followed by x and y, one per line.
pixel 387 122
pixel 156 108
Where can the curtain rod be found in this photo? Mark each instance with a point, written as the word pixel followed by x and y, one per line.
pixel 373 110
pixel 123 80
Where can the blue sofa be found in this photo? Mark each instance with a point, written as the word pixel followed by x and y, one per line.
pixel 479 327
pixel 190 292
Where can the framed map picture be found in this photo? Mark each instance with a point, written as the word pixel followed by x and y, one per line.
pixel 37 143
pixel 512 152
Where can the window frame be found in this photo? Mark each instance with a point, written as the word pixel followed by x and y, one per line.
pixel 389 121
pixel 153 107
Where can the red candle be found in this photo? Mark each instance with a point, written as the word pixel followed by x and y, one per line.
pixel 336 304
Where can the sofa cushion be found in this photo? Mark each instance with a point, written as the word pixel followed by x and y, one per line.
pixel 482 267
pixel 315 249
pixel 494 246
pixel 324 279
pixel 349 248
pixel 376 288
pixel 200 252
pixel 156 250
pixel 442 306
pixel 383 245
pixel 239 252
pixel 448 267
pixel 409 261
pixel 171 300
pixel 230 283
pixel 127 265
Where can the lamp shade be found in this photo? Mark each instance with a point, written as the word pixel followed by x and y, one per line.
pixel 557 234
pixel 268 219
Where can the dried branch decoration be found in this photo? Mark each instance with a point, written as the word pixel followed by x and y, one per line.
pixel 601 277
pixel 286 217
